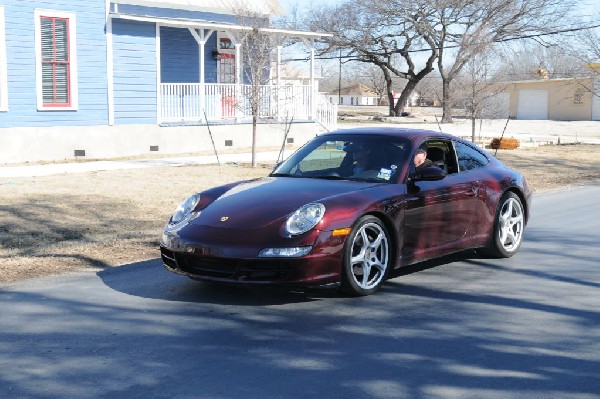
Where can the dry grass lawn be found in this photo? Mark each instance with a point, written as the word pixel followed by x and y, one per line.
pixel 97 220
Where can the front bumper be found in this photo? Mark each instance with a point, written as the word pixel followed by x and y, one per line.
pixel 204 258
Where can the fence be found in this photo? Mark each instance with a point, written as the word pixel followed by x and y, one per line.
pixel 190 102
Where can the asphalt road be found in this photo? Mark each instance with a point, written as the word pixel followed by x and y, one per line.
pixel 465 327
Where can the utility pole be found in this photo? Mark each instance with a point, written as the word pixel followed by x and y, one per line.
pixel 340 80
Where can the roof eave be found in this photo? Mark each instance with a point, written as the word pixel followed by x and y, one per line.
pixel 274 7
pixel 189 23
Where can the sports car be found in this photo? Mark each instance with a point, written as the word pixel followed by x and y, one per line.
pixel 347 209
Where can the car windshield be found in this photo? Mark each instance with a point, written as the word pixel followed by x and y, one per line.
pixel 363 157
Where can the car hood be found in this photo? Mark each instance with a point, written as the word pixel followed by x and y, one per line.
pixel 257 203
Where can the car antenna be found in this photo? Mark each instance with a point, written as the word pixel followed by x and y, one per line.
pixel 502 136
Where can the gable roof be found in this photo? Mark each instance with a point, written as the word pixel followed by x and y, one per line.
pixel 356 89
pixel 231 7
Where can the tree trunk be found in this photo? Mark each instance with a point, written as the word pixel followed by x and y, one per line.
pixel 254 126
pixel 404 96
pixel 390 95
pixel 446 102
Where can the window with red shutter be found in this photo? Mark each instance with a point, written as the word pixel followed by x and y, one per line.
pixel 56 68
pixel 55 61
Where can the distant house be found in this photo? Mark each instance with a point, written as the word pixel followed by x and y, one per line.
pixel 293 75
pixel 355 94
pixel 418 99
pixel 100 78
pixel 570 99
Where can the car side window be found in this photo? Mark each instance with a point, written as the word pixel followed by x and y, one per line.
pixel 469 158
pixel 440 152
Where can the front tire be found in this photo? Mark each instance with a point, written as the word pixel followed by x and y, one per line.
pixel 509 224
pixel 367 257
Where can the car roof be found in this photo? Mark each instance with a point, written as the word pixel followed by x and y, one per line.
pixel 411 134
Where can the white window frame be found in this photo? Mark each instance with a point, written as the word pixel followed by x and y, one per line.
pixel 3 65
pixel 73 89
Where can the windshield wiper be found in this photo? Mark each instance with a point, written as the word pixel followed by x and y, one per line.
pixel 283 175
pixel 328 177
pixel 367 179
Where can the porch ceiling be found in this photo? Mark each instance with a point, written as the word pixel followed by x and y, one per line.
pixel 194 24
pixel 231 7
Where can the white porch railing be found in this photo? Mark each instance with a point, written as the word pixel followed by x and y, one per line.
pixel 190 102
pixel 327 112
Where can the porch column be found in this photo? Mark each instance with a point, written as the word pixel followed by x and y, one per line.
pixel 201 39
pixel 238 80
pixel 313 103
pixel 312 97
pixel 312 106
pixel 278 83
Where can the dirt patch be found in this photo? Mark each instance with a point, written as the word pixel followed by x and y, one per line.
pixel 53 224
pixel 554 167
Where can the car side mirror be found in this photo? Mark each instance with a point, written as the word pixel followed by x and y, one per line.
pixel 430 173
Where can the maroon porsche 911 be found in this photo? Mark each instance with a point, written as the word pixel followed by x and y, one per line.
pixel 346 209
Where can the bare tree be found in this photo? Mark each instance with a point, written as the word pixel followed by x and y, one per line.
pixel 590 38
pixel 257 46
pixel 376 81
pixel 462 29
pixel 480 90
pixel 371 34
pixel 531 60
pixel 430 90
pixel 590 42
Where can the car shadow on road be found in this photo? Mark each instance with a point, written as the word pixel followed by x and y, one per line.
pixel 433 263
pixel 149 279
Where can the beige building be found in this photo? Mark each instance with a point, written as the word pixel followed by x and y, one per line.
pixel 569 99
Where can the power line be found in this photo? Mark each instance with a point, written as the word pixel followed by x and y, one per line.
pixel 537 35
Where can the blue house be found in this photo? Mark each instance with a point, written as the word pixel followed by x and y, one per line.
pixel 105 79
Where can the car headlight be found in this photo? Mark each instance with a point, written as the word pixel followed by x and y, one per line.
pixel 184 209
pixel 305 218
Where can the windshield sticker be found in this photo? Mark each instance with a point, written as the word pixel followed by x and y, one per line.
pixel 385 174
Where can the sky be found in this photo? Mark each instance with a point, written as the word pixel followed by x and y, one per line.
pixel 588 7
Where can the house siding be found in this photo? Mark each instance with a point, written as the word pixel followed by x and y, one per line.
pixel 354 100
pixel 21 75
pixel 134 65
pixel 180 57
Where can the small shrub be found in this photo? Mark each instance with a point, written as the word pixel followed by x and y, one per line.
pixel 504 143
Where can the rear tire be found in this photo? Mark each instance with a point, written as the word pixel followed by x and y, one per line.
pixel 367 257
pixel 509 224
